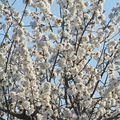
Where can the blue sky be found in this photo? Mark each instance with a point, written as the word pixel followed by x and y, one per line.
pixel 109 4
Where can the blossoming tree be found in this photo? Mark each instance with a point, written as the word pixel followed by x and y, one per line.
pixel 59 68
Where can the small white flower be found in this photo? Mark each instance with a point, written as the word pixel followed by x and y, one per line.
pixel 67 113
pixel 58 22
pixel 26 104
pixel 53 36
pixel 2 58
pixel 39 116
pixel 13 94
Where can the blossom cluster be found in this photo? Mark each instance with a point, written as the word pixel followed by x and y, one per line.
pixel 63 67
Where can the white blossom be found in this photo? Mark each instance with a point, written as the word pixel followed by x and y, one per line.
pixel 59 60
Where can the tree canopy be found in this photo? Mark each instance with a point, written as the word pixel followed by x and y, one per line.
pixel 64 67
